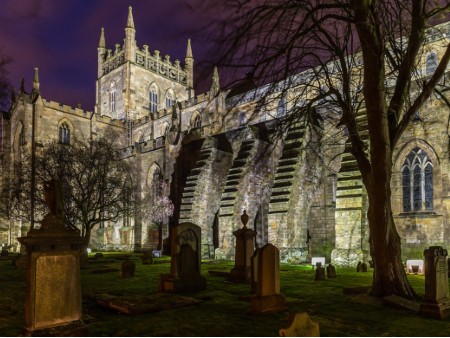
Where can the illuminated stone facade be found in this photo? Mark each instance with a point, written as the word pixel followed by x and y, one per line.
pixel 221 156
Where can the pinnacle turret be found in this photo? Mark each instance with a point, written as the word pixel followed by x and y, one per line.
pixel 189 61
pixel 102 43
pixel 215 86
pixel 36 81
pixel 130 21
pixel 189 50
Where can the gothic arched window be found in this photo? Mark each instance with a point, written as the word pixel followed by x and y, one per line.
pixel 153 99
pixel 197 122
pixel 64 133
pixel 112 96
pixel 169 99
pixel 431 63
pixel 417 181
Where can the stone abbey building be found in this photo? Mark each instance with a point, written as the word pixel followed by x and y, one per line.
pixel 221 153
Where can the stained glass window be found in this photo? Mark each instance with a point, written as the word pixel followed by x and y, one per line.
pixel 417 181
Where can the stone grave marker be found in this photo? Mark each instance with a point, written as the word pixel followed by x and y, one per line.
pixel 436 303
pixel 268 297
pixel 331 271
pixel 128 269
pixel 320 272
pixel 98 255
pixel 364 267
pixel 185 261
pixel 315 260
pixel 414 266
pixel 359 267
pixel 300 325
pixel 147 258
pixel 53 295
pixel 243 254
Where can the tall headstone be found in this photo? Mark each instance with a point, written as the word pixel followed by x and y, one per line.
pixel 436 303
pixel 185 261
pixel 53 295
pixel 268 297
pixel 243 254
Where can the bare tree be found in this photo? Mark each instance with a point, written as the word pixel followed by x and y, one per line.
pixel 353 58
pixel 95 180
pixel 157 207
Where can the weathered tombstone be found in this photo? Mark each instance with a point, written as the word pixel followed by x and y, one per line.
pixel 147 258
pixel 244 250
pixel 185 261
pixel 98 255
pixel 157 253
pixel 359 267
pixel 414 266
pixel 315 260
pixel 320 272
pixel 331 271
pixel 268 297
pixel 363 267
pixel 53 295
pixel 436 303
pixel 128 269
pixel 300 325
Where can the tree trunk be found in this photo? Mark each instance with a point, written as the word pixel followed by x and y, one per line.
pixel 389 275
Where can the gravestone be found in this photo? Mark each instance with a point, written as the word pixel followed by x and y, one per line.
pixel 331 271
pixel 301 325
pixel 243 254
pixel 436 303
pixel 98 255
pixel 147 258
pixel 268 297
pixel 185 261
pixel 359 267
pixel 53 295
pixel 363 267
pixel 320 272
pixel 315 260
pixel 128 269
pixel 254 272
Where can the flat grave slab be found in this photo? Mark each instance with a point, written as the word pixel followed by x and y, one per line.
pixel 139 304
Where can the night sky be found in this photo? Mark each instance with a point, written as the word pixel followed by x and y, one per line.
pixel 60 37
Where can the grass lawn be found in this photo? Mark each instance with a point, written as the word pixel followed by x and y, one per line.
pixel 224 308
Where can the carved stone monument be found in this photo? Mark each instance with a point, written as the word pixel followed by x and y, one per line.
pixel 268 297
pixel 243 254
pixel 53 295
pixel 436 303
pixel 185 261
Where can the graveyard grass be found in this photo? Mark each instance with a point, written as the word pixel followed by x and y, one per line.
pixel 224 306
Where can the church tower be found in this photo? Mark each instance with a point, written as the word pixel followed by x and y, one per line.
pixel 134 82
